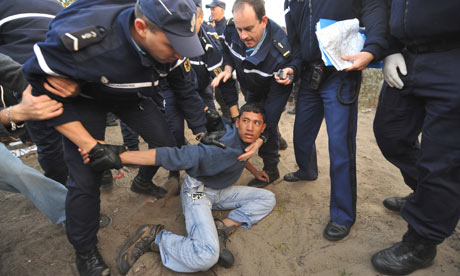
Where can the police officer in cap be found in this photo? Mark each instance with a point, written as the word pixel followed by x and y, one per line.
pixel 421 95
pixel 117 51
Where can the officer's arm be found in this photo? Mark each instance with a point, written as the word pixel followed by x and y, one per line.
pixel 78 134
pixel 293 36
pixel 374 19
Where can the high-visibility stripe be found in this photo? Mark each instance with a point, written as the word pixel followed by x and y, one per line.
pixel 42 63
pixel 129 85
pixel 24 15
pixel 217 65
pixel 263 74
pixel 234 52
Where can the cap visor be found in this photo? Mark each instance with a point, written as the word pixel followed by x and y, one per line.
pixel 186 46
pixel 208 6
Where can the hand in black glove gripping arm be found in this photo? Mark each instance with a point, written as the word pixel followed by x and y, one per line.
pixel 104 157
pixel 213 138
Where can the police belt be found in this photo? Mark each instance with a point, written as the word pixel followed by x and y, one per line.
pixel 434 45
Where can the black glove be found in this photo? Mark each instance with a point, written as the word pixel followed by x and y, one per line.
pixel 214 121
pixel 104 157
pixel 213 138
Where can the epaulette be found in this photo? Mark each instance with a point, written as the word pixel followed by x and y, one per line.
pixel 230 22
pixel 282 48
pixel 83 38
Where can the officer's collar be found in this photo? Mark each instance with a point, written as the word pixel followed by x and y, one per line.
pixel 222 21
pixel 126 19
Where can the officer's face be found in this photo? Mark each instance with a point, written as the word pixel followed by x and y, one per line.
pixel 158 46
pixel 250 126
pixel 249 28
pixel 217 13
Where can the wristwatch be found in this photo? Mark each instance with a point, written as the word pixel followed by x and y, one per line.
pixel 14 126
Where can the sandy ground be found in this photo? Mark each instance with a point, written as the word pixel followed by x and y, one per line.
pixel 287 242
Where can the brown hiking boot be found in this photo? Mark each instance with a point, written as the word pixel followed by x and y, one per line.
pixel 139 243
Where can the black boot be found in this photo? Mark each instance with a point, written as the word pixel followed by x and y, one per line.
pixel 92 264
pixel 141 186
pixel 404 257
pixel 283 143
pixel 273 174
pixel 226 258
pixel 106 180
pixel 395 203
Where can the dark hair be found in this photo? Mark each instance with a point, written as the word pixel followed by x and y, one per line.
pixel 150 25
pixel 257 5
pixel 253 107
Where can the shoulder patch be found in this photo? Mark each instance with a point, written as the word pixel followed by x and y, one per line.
pixel 187 65
pixel 281 48
pixel 230 22
pixel 83 38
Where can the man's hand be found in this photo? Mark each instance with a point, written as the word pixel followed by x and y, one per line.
pixel 262 176
pixel 360 61
pixel 223 76
pixel 35 108
pixel 251 150
pixel 391 64
pixel 103 157
pixel 61 86
pixel 213 138
pixel 284 79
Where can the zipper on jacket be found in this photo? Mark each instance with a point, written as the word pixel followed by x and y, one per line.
pixel 406 11
pixel 311 25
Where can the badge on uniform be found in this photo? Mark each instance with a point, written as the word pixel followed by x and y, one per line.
pixel 283 49
pixel 80 39
pixel 217 71
pixel 187 65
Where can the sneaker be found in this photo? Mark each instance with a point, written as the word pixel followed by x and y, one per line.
pixel 226 258
pixel 147 187
pixel 273 174
pixel 137 245
pixel 92 264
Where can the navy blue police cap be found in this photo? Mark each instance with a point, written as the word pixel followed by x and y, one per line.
pixel 177 19
pixel 198 3
pixel 216 3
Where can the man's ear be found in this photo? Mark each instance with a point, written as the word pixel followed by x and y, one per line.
pixel 265 20
pixel 263 127
pixel 141 27
pixel 237 122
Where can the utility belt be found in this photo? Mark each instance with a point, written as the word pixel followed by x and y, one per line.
pixel 434 45
pixel 318 72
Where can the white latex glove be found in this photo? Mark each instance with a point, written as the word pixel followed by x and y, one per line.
pixel 390 73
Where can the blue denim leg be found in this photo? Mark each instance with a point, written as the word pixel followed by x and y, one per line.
pixel 46 194
pixel 199 251
pixel 249 204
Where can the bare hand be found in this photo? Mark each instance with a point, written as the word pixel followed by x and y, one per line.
pixel 35 108
pixel 262 176
pixel 360 61
pixel 62 87
pixel 223 76
pixel 251 150
pixel 285 80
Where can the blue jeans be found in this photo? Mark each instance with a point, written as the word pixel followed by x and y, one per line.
pixel 200 250
pixel 45 193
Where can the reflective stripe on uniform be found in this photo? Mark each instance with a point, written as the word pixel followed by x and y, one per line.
pixel 42 62
pixel 263 74
pixel 24 15
pixel 129 85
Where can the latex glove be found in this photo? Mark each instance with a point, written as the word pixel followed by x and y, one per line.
pixel 391 64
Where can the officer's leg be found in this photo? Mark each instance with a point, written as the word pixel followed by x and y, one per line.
pixel 397 125
pixel 146 119
pixel 306 127
pixel 174 117
pixel 83 202
pixel 341 122
pixel 130 137
pixel 50 151
pixel 223 106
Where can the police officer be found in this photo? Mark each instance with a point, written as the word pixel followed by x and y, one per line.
pixel 256 47
pixel 327 94
pixel 421 94
pixel 22 24
pixel 118 52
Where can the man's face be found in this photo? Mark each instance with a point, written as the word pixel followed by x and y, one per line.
pixel 250 126
pixel 158 46
pixel 249 28
pixel 217 13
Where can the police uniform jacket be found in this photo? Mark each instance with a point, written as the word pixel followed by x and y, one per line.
pixel 23 23
pixel 255 73
pixel 209 65
pixel 302 16
pixel 419 22
pixel 220 26
pixel 90 42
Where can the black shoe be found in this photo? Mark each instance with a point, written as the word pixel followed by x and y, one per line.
pixel 394 203
pixel 292 111
pixel 226 258
pixel 273 174
pixel 292 177
pixel 147 187
pixel 283 143
pixel 142 241
pixel 404 257
pixel 111 120
pixel 335 232
pixel 92 264
pixel 106 180
pixel 104 220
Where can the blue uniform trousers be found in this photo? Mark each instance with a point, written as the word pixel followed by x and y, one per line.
pixel 312 107
pixel 428 104
pixel 49 149
pixel 174 117
pixel 83 202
